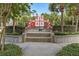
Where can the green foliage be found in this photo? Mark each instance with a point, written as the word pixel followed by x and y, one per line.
pixel 45 15
pixel 18 30
pixel 14 33
pixel 21 13
pixel 23 19
pixel 11 50
pixel 53 6
pixel 67 28
pixel 66 33
pixel 33 12
pixel 69 50
pixel 53 18
pixel 18 9
pixel 70 9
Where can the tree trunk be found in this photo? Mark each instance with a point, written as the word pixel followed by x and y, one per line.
pixel 1 32
pixel 4 29
pixel 72 18
pixel 4 13
pixel 52 24
pixel 14 26
pixel 76 25
pixel 62 22
pixel 4 18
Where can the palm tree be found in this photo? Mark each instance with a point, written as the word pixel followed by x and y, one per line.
pixel 33 12
pixel 77 17
pixel 62 21
pixel 72 10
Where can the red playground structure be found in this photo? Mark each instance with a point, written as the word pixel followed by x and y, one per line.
pixel 40 23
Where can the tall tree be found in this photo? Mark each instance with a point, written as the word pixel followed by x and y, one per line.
pixel 18 9
pixel 77 17
pixel 58 8
pixel 72 10
pixel 5 10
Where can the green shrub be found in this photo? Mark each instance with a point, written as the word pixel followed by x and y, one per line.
pixel 67 28
pixel 15 33
pixel 66 33
pixel 11 50
pixel 69 50
pixel 18 30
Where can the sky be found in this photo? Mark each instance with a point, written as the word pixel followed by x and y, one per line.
pixel 40 8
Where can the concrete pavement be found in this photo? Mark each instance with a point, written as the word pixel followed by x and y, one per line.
pixel 40 48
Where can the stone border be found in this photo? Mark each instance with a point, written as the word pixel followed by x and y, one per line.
pixel 12 35
pixel 66 39
pixel 13 38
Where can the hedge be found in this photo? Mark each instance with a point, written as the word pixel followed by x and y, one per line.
pixel 18 30
pixel 66 33
pixel 11 50
pixel 69 50
pixel 67 28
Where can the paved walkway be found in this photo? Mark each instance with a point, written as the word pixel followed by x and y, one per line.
pixel 40 48
pixel 36 48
